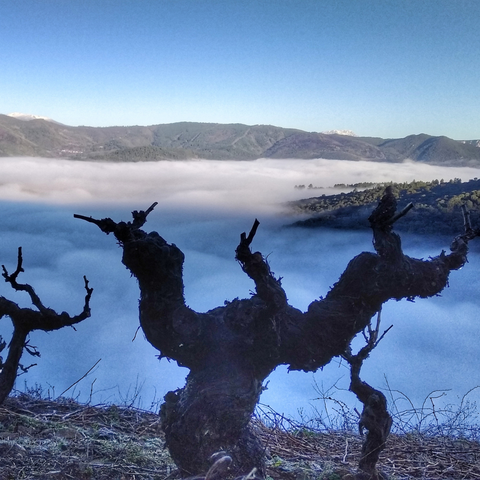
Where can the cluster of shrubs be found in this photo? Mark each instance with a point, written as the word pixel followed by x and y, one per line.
pixel 437 206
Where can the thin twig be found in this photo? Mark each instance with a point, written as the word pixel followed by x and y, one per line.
pixel 81 378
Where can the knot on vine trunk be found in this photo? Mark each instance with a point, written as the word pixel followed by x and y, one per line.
pixel 381 217
pixel 375 417
pixel 386 243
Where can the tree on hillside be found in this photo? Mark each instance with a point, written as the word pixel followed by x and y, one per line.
pixel 25 321
pixel 233 348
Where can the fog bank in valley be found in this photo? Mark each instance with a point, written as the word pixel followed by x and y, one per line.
pixel 203 208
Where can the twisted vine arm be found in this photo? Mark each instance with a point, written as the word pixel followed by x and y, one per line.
pixel 26 320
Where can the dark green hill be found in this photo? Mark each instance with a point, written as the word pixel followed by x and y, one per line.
pixel 149 153
pixel 437 207
pixel 169 141
pixel 319 145
pixel 428 149
pixel 215 141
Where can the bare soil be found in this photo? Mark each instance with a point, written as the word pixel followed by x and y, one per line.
pixel 57 440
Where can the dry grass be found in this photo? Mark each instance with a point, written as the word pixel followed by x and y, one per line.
pixel 336 454
pixel 44 439
pixel 62 439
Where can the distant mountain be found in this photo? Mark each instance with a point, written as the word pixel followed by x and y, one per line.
pixel 427 149
pixel 40 136
pixel 138 143
pixel 321 145
pixel 27 117
pixel 475 143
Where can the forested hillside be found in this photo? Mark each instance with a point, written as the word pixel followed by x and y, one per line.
pixel 437 206
pixel 215 141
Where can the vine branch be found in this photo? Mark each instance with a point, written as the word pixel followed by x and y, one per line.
pixel 26 320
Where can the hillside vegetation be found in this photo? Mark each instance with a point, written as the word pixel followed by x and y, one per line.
pixel 214 141
pixel 437 207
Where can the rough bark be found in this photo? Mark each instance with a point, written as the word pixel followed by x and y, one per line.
pixel 26 320
pixel 231 349
pixel 375 417
pixel 376 420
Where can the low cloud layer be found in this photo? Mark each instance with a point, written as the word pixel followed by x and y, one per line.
pixel 255 186
pixel 203 208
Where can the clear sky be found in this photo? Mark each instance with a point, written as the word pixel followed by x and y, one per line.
pixel 378 67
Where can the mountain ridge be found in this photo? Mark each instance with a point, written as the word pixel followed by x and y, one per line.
pixel 39 136
pixel 28 116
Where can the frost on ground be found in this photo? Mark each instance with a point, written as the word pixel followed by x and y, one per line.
pixel 62 439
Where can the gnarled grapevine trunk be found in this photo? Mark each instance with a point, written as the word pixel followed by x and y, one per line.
pixel 231 349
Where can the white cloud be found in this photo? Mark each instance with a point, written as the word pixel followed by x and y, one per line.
pixel 204 206
pixel 219 185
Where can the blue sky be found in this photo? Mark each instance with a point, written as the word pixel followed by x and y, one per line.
pixel 378 67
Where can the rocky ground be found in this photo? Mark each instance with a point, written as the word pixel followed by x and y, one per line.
pixel 53 440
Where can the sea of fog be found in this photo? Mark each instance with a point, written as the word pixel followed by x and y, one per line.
pixel 203 207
